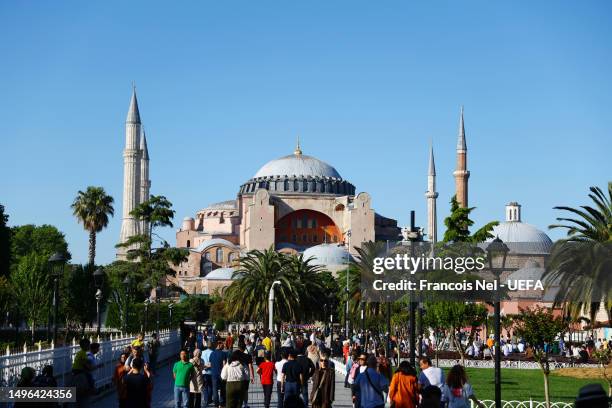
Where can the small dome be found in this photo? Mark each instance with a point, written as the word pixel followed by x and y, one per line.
pixel 298 165
pixel 327 255
pixel 221 274
pixel 530 271
pixel 522 238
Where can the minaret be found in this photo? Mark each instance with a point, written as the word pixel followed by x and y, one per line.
pixel 432 195
pixel 145 183
pixel 461 173
pixel 131 173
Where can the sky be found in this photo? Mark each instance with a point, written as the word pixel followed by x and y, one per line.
pixel 224 87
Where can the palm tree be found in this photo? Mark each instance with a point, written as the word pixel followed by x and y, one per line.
pixel 92 208
pixel 247 296
pixel 581 264
pixel 308 283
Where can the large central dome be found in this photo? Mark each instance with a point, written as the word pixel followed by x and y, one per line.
pixel 297 165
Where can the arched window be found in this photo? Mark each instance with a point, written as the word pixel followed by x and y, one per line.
pixel 188 244
pixel 207 256
pixel 219 255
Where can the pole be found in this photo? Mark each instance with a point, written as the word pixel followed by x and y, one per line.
pixel 271 306
pixel 146 315
pixel 363 318
pixel 97 317
pixel 420 331
pixel 497 355
pixel 157 317
pixel 412 333
pixel 348 257
pixel 125 312
pixel 55 308
pixel 389 329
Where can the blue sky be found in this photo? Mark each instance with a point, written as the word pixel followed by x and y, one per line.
pixel 226 86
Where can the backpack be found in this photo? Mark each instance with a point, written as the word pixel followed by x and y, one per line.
pixel 458 401
pixel 353 372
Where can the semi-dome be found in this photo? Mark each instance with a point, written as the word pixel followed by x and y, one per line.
pixel 297 165
pixel 221 274
pixel 328 255
pixel 519 236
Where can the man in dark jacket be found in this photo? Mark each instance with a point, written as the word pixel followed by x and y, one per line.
pixel 308 370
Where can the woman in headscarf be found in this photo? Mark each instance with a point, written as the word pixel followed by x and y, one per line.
pixel 323 384
pixel 196 383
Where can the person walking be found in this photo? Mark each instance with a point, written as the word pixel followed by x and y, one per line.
pixel 247 361
pixel 292 378
pixel 234 373
pixel 308 370
pixel 404 388
pixel 370 386
pixel 206 374
pixel 118 374
pixel 323 384
pixel 153 346
pixel 431 376
pixel 266 375
pixel 278 368
pixel 196 382
pixel 217 361
pixel 458 391
pixel 137 386
pixel 181 372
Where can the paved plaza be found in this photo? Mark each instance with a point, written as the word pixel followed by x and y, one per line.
pixel 163 393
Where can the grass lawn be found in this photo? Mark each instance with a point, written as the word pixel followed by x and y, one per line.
pixel 524 384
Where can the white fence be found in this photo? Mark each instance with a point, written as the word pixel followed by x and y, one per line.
pixel 525 404
pixel 517 364
pixel 61 359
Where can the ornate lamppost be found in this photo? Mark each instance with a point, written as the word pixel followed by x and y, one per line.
pixel 157 296
pixel 98 276
pixel 170 306
pixel 497 252
pixel 57 262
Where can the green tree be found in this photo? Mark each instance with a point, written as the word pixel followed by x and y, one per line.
pixel 581 263
pixel 92 208
pixel 539 326
pixel 5 243
pixel 31 283
pixel 458 225
pixel 604 358
pixel 153 262
pixel 308 283
pixel 78 300
pixel 43 240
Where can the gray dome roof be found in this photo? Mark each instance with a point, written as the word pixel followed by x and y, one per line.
pixel 327 255
pixel 299 165
pixel 204 245
pixel 530 271
pixel 223 205
pixel 522 238
pixel 221 274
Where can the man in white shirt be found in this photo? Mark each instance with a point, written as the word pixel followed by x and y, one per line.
pixel 278 366
pixel 430 375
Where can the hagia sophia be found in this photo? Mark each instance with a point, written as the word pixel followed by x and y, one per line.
pixel 298 203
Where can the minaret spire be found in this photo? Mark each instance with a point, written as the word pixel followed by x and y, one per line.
pixel 131 173
pixel 145 183
pixel 461 173
pixel 431 195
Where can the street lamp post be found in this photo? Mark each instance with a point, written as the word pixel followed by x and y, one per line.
pixel 348 267
pixel 363 318
pixel 170 306
pixel 146 314
pixel 271 306
pixel 57 261
pixel 98 276
pixel 126 283
pixel 497 252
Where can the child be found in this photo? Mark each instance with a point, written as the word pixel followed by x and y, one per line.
pixel 266 371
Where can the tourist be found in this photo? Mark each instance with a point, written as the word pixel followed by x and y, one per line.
pixel 430 375
pixel 267 343
pixel 458 391
pixel 291 381
pixel 234 373
pixel 313 353
pixel 247 361
pixel 138 341
pixel 206 374
pixel 217 360
pixel 118 374
pixel 352 365
pixel 196 383
pixel 323 385
pixel 266 375
pixel 82 378
pixel 137 386
pixel 181 372
pixel 92 361
pixel 384 364
pixel 431 397
pixel 308 370
pixel 190 344
pixel 26 380
pixel 153 346
pixel 278 368
pixel 362 366
pixel 403 391
pixel 370 386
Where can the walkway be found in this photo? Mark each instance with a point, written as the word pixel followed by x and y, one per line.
pixel 163 393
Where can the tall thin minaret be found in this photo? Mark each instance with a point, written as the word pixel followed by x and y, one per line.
pixel 131 173
pixel 145 183
pixel 461 173
pixel 431 195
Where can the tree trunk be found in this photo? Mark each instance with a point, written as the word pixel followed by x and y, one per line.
pixel 92 248
pixel 546 391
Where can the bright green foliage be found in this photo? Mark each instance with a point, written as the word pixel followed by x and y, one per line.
pixel 42 240
pixel 32 287
pixel 78 296
pixel 92 208
pixel 582 263
pixel 458 225
pixel 538 326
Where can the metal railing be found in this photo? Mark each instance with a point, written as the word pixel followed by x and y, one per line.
pixel 525 404
pixel 61 358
